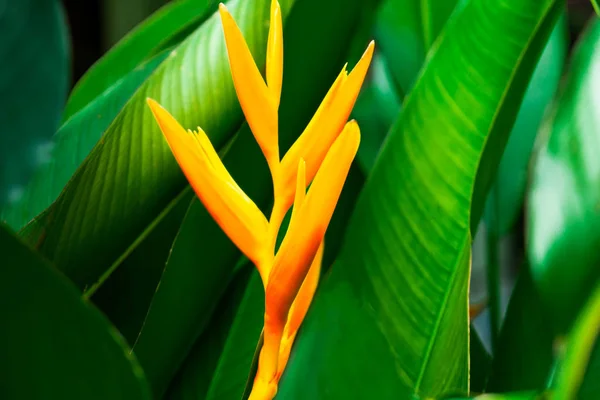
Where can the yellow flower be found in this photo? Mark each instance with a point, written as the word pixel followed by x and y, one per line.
pixel 322 155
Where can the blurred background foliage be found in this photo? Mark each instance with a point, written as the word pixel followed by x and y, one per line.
pixel 124 238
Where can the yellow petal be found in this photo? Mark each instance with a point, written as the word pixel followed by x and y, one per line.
pixel 275 53
pixel 299 309
pixel 300 189
pixel 232 209
pixel 325 126
pixel 256 99
pixel 300 245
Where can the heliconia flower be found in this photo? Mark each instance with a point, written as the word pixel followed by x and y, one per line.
pixel 322 155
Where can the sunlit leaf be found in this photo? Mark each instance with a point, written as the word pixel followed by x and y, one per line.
pixel 506 196
pixel 393 310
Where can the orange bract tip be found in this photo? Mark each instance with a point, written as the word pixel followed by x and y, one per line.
pixel 326 124
pixel 227 203
pixel 256 100
pixel 275 53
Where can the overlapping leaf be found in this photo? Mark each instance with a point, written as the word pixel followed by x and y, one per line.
pixel 506 196
pixel 53 343
pixel 405 30
pixel 563 198
pixel 72 143
pixel 524 355
pixel 34 79
pixel 577 365
pixel 394 309
pixel 165 24
pixel 131 175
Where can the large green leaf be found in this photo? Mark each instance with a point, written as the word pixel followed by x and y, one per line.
pixel 53 344
pixel 391 319
pixel 164 24
pixel 524 355
pixel 506 196
pixel 563 198
pixel 72 143
pixel 577 354
pixel 33 81
pixel 405 30
pixel 125 294
pixel 131 175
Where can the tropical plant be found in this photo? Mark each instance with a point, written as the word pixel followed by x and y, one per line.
pixel 207 226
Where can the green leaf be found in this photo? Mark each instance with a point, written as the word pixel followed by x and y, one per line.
pixel 375 110
pixel 405 31
pixel 505 396
pixel 480 362
pixel 393 310
pixel 596 6
pixel 507 113
pixel 71 145
pixel 229 379
pixel 131 175
pixel 590 386
pixel 34 79
pixel 563 199
pixel 225 345
pixel 524 355
pixel 580 345
pixel 167 22
pixel 506 196
pixel 53 343
pixel 125 295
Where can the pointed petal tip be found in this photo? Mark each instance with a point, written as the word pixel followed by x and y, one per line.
pixel 275 7
pixel 353 126
pixel 368 54
pixel 224 13
pixel 345 69
pixel 352 132
pixel 151 102
pixel 301 163
pixel 157 110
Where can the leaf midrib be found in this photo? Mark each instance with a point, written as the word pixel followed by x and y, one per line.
pixel 440 315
